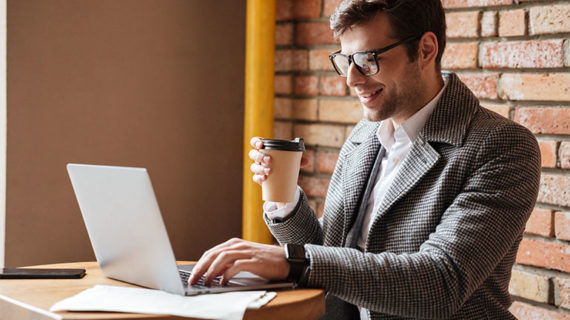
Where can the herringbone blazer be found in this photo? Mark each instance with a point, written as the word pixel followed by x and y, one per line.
pixel 445 238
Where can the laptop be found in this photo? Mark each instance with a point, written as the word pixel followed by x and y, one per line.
pixel 128 235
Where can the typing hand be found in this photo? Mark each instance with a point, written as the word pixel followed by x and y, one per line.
pixel 236 255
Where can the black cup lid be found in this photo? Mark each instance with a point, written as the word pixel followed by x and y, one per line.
pixel 286 145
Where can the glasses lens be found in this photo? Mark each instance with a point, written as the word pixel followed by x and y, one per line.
pixel 341 63
pixel 366 63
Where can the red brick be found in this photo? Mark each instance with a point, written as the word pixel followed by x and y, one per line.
pixel 562 292
pixel 502 109
pixel 549 86
pixel 348 130
pixel 310 155
pixel 460 55
pixel 291 60
pixel 314 186
pixel 319 59
pixel 284 34
pixel 523 54
pixel 562 225
pixel 352 92
pixel 512 23
pixel 489 24
pixel 326 161
pixel 283 84
pixel 543 254
pixel 321 209
pixel 540 223
pixel 566 49
pixel 549 19
pixel 305 109
pixel 283 9
pixel 474 3
pixel 307 85
pixel 330 6
pixel 320 134
pixel 343 111
pixel 529 286
pixel 484 85
pixel 314 205
pixel 462 24
pixel 282 130
pixel 524 311
pixel 548 153
pixel 297 9
pixel 544 120
pixel 314 33
pixel 333 86
pixel 565 155
pixel 282 108
pixel 555 189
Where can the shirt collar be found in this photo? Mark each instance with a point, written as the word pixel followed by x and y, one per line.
pixel 411 128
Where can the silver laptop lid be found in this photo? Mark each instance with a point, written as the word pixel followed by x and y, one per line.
pixel 125 226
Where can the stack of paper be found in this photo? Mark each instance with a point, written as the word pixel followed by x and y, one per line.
pixel 230 306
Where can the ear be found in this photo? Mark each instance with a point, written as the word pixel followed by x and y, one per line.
pixel 427 48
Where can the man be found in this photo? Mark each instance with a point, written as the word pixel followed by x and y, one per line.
pixel 430 195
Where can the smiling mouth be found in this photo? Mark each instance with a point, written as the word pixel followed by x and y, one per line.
pixel 369 97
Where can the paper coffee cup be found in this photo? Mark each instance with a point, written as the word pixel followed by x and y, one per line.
pixel 285 155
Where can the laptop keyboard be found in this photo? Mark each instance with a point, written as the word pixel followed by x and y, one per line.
pixel 184 276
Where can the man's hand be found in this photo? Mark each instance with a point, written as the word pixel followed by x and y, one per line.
pixel 261 166
pixel 235 255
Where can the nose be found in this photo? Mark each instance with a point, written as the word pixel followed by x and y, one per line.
pixel 354 77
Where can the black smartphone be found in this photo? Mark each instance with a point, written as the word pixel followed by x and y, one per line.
pixel 28 273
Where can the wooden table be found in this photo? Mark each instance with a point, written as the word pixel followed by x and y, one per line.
pixel 31 299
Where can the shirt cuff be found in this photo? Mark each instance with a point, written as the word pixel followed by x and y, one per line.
pixel 272 212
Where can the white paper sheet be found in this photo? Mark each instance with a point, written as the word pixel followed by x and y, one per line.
pixel 226 306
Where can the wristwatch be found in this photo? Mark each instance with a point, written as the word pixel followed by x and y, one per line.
pixel 298 262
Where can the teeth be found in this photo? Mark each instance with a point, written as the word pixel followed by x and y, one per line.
pixel 370 95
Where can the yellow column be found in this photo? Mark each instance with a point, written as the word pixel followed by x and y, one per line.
pixel 259 72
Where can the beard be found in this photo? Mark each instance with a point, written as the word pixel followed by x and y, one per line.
pixel 397 100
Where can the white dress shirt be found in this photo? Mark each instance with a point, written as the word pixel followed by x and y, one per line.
pixel 397 140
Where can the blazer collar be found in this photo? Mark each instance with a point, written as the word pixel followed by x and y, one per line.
pixel 364 130
pixel 449 121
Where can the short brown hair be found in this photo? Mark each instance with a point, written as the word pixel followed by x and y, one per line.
pixel 408 18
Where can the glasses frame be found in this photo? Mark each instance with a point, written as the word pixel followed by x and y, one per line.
pixel 374 53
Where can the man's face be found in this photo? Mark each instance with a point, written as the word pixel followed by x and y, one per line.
pixel 391 93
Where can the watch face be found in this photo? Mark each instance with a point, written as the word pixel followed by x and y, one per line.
pixel 295 252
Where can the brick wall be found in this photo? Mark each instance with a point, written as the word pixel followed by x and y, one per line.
pixel 515 56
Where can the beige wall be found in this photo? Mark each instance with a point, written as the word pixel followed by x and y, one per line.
pixel 147 83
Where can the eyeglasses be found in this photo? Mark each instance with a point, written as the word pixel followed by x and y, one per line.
pixel 366 62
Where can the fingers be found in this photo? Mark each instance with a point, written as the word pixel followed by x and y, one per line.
pixel 209 256
pixel 235 255
pixel 256 142
pixel 237 267
pixel 259 157
pixel 219 265
pixel 261 166
pixel 259 169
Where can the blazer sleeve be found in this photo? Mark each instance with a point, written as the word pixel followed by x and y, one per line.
pixel 300 227
pixel 483 224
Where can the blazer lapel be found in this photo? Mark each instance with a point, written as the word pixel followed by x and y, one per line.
pixel 421 158
pixel 356 171
pixel 447 124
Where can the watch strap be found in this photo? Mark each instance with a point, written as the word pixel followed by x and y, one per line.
pixel 298 263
